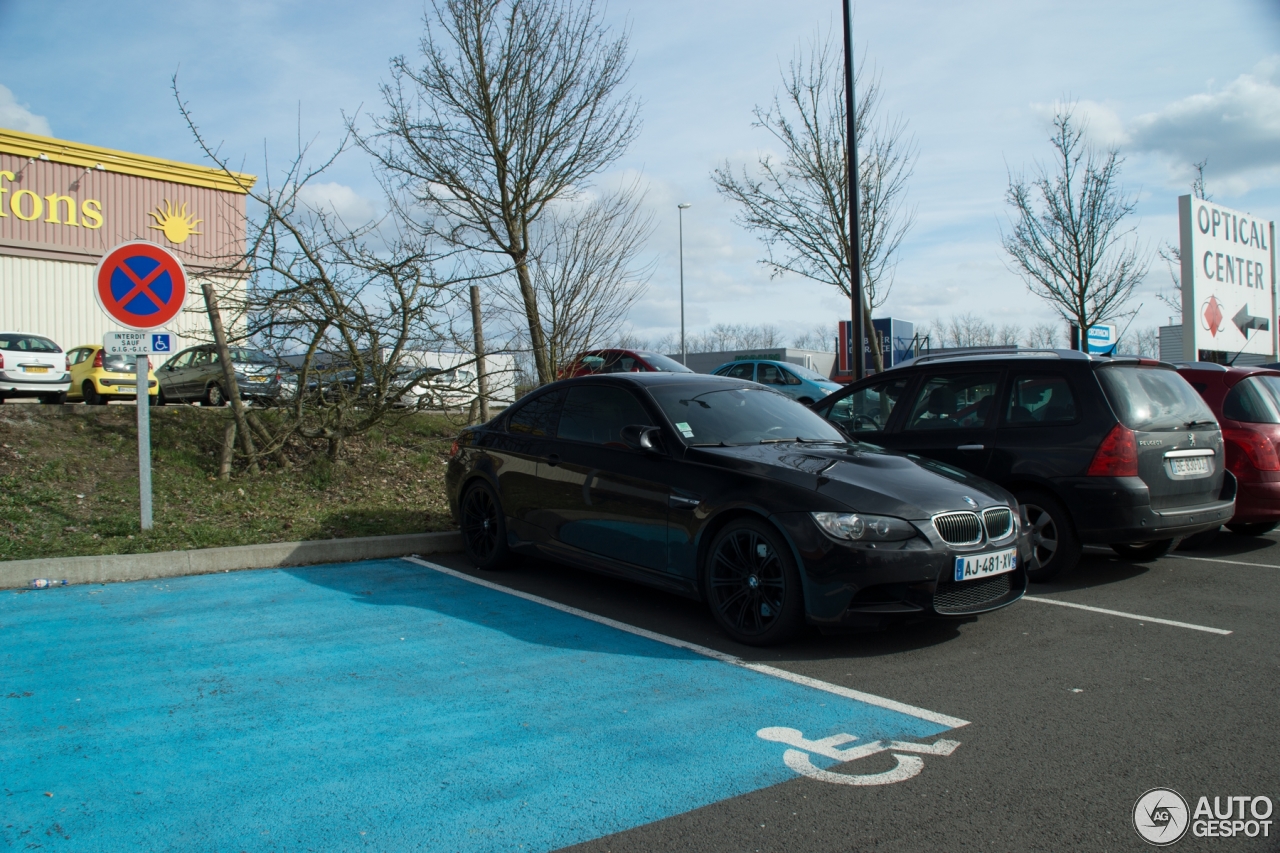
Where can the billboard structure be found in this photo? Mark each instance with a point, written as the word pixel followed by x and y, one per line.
pixel 1228 282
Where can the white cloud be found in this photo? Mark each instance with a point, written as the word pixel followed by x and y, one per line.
pixel 16 116
pixel 1102 124
pixel 339 199
pixel 1237 128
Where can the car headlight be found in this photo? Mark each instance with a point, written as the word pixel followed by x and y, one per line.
pixel 861 527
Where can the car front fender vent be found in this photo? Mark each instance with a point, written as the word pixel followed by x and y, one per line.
pixel 958 528
pixel 998 521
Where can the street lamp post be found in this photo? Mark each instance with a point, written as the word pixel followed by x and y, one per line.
pixel 684 356
pixel 856 353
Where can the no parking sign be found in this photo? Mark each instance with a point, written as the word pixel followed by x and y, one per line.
pixel 140 285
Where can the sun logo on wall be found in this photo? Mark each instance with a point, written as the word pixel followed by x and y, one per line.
pixel 177 225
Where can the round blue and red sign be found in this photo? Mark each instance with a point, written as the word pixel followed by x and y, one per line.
pixel 140 285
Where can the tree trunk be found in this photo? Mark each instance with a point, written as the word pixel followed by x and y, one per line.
pixel 537 340
pixel 877 357
pixel 228 451
pixel 482 376
pixel 229 374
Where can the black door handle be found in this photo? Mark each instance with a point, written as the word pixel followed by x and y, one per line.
pixel 553 460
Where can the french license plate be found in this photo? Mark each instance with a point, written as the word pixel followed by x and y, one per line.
pixel 1190 465
pixel 37 369
pixel 981 565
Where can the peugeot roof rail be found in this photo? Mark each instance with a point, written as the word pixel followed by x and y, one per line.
pixel 996 352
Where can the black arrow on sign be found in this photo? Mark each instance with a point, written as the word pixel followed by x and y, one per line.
pixel 1245 321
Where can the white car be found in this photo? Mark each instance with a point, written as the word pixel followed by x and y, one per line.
pixel 33 366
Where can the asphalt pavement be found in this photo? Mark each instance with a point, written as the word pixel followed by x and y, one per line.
pixel 544 707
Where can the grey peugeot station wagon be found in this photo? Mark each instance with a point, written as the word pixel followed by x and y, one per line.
pixel 1116 451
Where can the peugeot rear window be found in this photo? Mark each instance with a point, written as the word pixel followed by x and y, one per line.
pixel 1153 398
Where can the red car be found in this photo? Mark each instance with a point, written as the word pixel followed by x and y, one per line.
pixel 621 361
pixel 1246 401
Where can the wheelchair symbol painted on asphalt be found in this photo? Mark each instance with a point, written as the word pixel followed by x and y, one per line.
pixel 798 759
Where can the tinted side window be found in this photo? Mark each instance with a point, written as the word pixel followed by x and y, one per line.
pixel 1035 400
pixel 1254 400
pixel 867 410
pixel 770 374
pixel 741 371
pixel 182 359
pixel 598 414
pixel 954 401
pixel 538 416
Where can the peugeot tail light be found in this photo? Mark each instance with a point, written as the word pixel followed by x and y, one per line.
pixel 1117 455
pixel 1257 447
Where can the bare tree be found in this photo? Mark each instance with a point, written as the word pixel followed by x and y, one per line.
pixel 516 104
pixel 800 206
pixel 1146 343
pixel 821 338
pixel 1172 255
pixel 1044 336
pixel 587 272
pixel 1068 238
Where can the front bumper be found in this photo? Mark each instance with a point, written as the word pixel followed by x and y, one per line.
pixel 853 585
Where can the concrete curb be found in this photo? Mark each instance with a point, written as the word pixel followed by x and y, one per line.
pixel 108 568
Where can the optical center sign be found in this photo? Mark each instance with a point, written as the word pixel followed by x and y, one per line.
pixel 1228 280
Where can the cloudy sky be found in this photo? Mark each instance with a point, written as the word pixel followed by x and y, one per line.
pixel 1169 82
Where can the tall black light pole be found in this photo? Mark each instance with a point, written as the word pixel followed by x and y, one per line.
pixel 684 356
pixel 856 354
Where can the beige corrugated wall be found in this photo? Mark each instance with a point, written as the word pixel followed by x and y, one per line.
pixel 55 299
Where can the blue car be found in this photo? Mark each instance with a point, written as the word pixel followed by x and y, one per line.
pixel 799 383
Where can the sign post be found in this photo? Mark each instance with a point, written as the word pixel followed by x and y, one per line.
pixel 141 286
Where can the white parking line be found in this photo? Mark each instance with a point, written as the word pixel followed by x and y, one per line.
pixel 1125 615
pixel 763 669
pixel 1228 562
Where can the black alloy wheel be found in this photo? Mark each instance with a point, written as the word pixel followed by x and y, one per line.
pixel 752 584
pixel 213 395
pixel 484 533
pixel 91 395
pixel 1143 552
pixel 1055 548
pixel 1252 529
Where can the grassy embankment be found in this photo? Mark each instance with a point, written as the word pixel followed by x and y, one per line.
pixel 69 484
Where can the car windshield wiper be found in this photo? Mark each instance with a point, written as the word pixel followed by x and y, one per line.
pixel 1190 424
pixel 800 440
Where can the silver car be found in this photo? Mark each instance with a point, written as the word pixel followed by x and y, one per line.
pixel 33 366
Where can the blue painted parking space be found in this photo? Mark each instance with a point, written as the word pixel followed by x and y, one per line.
pixel 388 705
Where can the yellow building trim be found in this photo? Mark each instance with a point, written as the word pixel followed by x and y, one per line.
pixel 122 162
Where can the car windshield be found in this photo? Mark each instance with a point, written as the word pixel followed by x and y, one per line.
pixel 715 415
pixel 27 343
pixel 662 363
pixel 806 373
pixel 250 356
pixel 1254 400
pixel 1153 398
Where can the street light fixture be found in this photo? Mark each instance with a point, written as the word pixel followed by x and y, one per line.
pixel 684 356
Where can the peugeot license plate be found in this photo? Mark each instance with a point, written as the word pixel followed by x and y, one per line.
pixel 981 565
pixel 1190 465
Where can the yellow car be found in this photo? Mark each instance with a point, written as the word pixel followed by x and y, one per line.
pixel 97 377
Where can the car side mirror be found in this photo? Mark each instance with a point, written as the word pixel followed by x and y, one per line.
pixel 640 437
